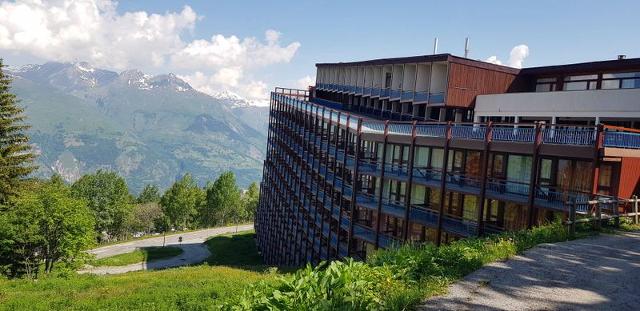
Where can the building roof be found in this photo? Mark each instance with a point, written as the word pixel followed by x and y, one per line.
pixel 425 59
pixel 576 68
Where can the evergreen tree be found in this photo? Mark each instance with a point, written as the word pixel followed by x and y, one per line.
pixel 16 158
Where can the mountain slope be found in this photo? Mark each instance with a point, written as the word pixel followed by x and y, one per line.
pixel 150 129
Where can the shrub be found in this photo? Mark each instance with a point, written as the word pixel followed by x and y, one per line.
pixel 393 279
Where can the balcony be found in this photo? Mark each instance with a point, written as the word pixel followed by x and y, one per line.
pixel 406 96
pixel 366 91
pixel 375 92
pixel 385 92
pixel 395 94
pixel 421 97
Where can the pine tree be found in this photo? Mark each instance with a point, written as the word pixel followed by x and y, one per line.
pixel 16 157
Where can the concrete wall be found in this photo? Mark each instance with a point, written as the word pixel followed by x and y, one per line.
pixel 596 103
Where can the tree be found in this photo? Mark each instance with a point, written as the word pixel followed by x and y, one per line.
pixel 222 203
pixel 144 217
pixel 250 201
pixel 16 161
pixel 150 194
pixel 180 202
pixel 45 224
pixel 109 200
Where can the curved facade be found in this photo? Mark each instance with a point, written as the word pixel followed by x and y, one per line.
pixel 384 152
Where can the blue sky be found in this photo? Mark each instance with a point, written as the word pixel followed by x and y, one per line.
pixel 325 31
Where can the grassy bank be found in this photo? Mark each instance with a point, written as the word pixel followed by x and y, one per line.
pixel 145 254
pixel 395 279
pixel 204 287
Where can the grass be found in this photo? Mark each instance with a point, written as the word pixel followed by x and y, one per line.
pixel 205 287
pixel 235 278
pixel 394 279
pixel 145 254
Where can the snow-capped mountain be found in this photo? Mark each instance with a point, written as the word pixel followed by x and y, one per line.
pixel 149 128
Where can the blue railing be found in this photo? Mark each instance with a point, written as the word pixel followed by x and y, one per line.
pixel 396 94
pixel 622 139
pixel 421 97
pixel 385 92
pixel 515 134
pixel 375 92
pixel 568 136
pixel 436 98
pixel 406 96
pixel 476 132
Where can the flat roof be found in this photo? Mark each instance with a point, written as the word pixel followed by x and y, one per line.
pixel 585 67
pixel 425 59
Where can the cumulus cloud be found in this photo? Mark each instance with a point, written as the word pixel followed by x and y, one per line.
pixel 93 31
pixel 304 82
pixel 516 57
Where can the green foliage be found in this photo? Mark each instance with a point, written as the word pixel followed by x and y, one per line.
pixel 205 287
pixel 45 224
pixel 250 200
pixel 109 199
pixel 150 194
pixel 180 202
pixel 393 279
pixel 223 203
pixel 145 254
pixel 190 288
pixel 144 218
pixel 16 161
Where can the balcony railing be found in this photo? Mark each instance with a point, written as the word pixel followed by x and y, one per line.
pixel 523 133
pixel 406 96
pixel 395 94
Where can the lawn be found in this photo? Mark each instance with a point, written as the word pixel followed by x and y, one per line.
pixel 203 287
pixel 145 254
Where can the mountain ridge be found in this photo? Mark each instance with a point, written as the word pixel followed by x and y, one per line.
pixel 149 128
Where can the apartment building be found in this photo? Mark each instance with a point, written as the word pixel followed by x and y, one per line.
pixel 435 148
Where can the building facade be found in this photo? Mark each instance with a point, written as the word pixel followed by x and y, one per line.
pixel 435 148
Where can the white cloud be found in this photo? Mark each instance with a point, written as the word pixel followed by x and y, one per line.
pixel 516 57
pixel 93 31
pixel 304 82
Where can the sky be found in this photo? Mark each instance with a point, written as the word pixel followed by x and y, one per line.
pixel 250 47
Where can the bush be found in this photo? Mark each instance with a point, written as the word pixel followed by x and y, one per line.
pixel 393 279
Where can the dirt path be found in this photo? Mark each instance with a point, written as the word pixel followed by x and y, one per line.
pixel 194 251
pixel 599 273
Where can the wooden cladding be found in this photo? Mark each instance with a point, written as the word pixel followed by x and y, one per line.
pixel 466 82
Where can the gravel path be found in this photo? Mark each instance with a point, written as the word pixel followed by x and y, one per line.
pixel 598 273
pixel 193 247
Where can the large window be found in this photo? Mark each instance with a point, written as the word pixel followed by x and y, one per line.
pixel 546 85
pixel 621 80
pixel 580 83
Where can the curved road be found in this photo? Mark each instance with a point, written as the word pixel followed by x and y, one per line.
pixel 193 247
pixel 597 273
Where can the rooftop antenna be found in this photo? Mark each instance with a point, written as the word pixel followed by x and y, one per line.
pixel 435 46
pixel 466 47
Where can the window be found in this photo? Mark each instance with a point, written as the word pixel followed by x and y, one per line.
pixel 580 83
pixel 622 80
pixel 546 85
pixel 387 80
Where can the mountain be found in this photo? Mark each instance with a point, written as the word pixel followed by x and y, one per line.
pixel 149 129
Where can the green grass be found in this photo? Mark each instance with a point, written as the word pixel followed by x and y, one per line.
pixel 145 254
pixel 234 250
pixel 394 279
pixel 203 287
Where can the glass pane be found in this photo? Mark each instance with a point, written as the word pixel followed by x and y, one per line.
pixel 543 80
pixel 437 158
pixel 604 180
pixel 519 168
pixel 542 87
pixel 631 83
pixel 545 169
pixel 575 86
pixel 610 84
pixel 618 75
pixel 583 77
pixel 470 211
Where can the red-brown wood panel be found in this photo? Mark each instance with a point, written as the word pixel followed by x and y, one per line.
pixel 629 177
pixel 466 82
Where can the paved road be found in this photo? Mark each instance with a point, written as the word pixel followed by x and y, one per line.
pixel 194 251
pixel 599 273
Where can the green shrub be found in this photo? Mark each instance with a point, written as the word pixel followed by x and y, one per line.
pixel 392 279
